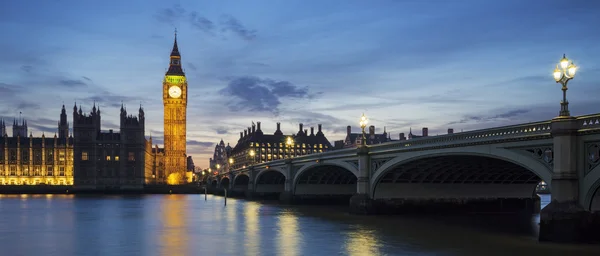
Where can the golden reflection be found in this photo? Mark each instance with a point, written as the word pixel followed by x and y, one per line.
pixel 173 238
pixel 251 215
pixel 230 219
pixel 289 237
pixel 362 242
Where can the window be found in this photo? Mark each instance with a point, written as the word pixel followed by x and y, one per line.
pixel 13 170
pixel 61 156
pixel 25 171
pixel 25 156
pixel 107 158
pixel 84 155
pixel 61 171
pixel 37 156
pixel 49 171
pixel 116 158
pixel 131 156
pixel 49 156
pixel 36 171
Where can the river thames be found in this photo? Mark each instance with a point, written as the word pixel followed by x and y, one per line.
pixel 189 225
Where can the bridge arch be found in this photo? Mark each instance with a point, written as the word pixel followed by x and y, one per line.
pixel 241 179
pixel 342 164
pixel 461 167
pixel 328 178
pixel 271 180
pixel 591 190
pixel 224 182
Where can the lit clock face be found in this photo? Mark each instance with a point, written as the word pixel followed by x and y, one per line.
pixel 174 91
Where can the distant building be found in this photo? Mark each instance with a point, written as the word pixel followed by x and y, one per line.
pixel 190 164
pixel 269 147
pixel 154 172
pixel 107 159
pixel 36 160
pixel 354 139
pixel 220 156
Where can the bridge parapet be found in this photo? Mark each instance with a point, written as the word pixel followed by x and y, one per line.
pixel 588 122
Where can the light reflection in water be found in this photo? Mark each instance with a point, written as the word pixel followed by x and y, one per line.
pixel 362 242
pixel 252 235
pixel 289 237
pixel 231 223
pixel 172 238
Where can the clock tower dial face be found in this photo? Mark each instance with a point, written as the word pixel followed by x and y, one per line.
pixel 174 92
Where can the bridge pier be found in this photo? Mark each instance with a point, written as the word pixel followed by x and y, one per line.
pixel 564 219
pixel 362 202
pixel 287 195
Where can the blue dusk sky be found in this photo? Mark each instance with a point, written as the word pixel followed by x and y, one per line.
pixel 462 64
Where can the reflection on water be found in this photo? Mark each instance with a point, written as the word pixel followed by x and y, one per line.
pixel 288 236
pixel 173 231
pixel 189 225
pixel 252 235
pixel 362 242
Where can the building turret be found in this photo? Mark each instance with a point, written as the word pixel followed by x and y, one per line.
pixel 2 128
pixel 63 125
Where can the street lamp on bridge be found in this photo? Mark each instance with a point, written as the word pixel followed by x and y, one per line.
pixel 562 75
pixel 363 123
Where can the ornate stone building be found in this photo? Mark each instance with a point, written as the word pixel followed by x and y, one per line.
pixel 108 159
pixel 220 156
pixel 155 164
pixel 256 147
pixel 175 119
pixel 36 160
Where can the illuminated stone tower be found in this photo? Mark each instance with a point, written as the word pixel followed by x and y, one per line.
pixel 175 105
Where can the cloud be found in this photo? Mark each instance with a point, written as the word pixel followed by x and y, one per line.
pixel 170 15
pixel 27 68
pixel 72 83
pixel 191 66
pixel 227 24
pixel 201 23
pixel 220 130
pixel 491 118
pixel 199 143
pixel 233 25
pixel 262 95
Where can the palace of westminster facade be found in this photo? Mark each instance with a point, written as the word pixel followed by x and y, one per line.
pixel 91 158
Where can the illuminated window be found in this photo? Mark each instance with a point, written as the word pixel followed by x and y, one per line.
pixel 61 156
pixel 84 155
pixel 13 170
pixel 107 158
pixel 116 158
pixel 49 170
pixel 25 171
pixel 61 171
pixel 131 156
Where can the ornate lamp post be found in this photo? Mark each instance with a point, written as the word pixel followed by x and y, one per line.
pixel 363 123
pixel 252 154
pixel 289 142
pixel 563 75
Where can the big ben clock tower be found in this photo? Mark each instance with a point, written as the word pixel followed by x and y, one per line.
pixel 175 106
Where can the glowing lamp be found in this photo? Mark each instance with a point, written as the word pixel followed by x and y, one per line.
pixel 564 62
pixel 571 70
pixel 557 74
pixel 363 121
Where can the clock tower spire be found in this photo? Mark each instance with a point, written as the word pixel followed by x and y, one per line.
pixel 175 119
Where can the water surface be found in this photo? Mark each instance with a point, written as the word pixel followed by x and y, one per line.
pixel 189 225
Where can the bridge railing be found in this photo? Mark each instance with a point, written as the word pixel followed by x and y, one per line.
pixel 504 132
pixel 589 121
pixel 586 122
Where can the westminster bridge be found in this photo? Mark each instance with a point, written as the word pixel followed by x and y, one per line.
pixel 496 167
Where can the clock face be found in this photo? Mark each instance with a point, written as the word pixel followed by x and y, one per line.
pixel 174 91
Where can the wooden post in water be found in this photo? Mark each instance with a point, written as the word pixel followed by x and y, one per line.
pixel 204 193
pixel 225 197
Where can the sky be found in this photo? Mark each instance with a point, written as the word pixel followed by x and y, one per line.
pixel 462 64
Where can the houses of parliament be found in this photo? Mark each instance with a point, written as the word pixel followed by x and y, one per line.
pixel 94 159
